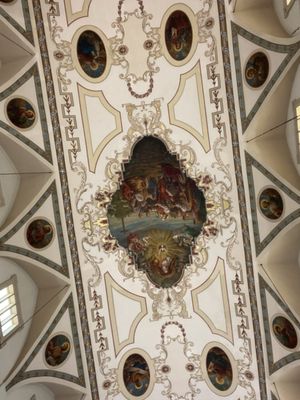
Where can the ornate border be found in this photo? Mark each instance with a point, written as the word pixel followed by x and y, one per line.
pixel 261 245
pixel 289 50
pixel 275 366
pixel 53 11
pixel 23 374
pixel 32 71
pixel 27 33
pixel 241 194
pixel 63 269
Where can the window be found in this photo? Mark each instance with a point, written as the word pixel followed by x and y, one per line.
pixel 297 120
pixel 10 317
pixel 287 5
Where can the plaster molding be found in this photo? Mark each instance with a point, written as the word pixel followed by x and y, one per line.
pixel 294 355
pixel 260 245
pixel 218 274
pixel 111 285
pixel 203 135
pixel 74 16
pixel 105 108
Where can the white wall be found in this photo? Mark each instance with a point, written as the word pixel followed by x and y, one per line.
pixel 292 22
pixel 26 392
pixel 9 185
pixel 28 295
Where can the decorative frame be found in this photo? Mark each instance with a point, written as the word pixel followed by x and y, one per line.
pixel 54 367
pixel 258 206
pixel 234 367
pixel 261 87
pixel 76 63
pixel 32 105
pixel 274 336
pixel 36 217
pixel 192 18
pixel 122 387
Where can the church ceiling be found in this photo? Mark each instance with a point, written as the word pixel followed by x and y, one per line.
pixel 130 115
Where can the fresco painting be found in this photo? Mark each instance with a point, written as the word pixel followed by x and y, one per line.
pixel 178 35
pixel 57 350
pixel 285 332
pixel 91 54
pixel 157 212
pixel 271 204
pixel 39 233
pixel 20 113
pixel 219 368
pixel 136 375
pixel 257 70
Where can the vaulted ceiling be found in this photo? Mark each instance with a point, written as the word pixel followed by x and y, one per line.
pixel 149 199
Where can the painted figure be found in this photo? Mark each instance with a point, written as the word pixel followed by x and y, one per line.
pixel 257 70
pixel 91 54
pixel 285 332
pixel 39 233
pixel 271 204
pixel 219 369
pixel 21 113
pixel 154 212
pixel 178 35
pixel 136 375
pixel 57 350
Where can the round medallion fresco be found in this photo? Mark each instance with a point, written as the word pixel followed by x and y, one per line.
pixel 136 375
pixel 57 350
pixel 39 233
pixel 271 203
pixel 219 368
pixel 285 332
pixel 257 70
pixel 178 35
pixel 91 54
pixel 20 113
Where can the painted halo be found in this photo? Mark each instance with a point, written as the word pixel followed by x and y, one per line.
pixel 285 332
pixel 91 54
pixel 219 369
pixel 257 69
pixel 136 374
pixel 21 113
pixel 271 203
pixel 57 350
pixel 39 233
pixel 178 35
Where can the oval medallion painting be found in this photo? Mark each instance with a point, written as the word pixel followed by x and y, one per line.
pixel 20 113
pixel 91 54
pixel 219 368
pixel 285 332
pixel 157 212
pixel 178 35
pixel 270 203
pixel 57 350
pixel 39 233
pixel 257 70
pixel 136 375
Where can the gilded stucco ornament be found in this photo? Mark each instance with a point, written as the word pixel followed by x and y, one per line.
pixel 136 54
pixel 145 121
